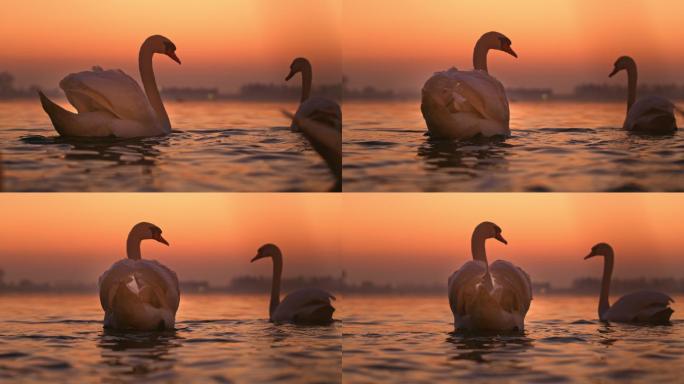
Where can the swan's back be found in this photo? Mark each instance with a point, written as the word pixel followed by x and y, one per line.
pixel 652 114
pixel 642 306
pixel 305 305
pixel 139 294
pixel 320 110
pixel 112 91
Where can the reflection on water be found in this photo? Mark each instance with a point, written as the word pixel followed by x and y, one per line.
pixel 218 338
pixel 215 146
pixel 411 339
pixel 555 146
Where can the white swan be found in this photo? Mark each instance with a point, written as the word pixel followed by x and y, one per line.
pixel 651 114
pixel 327 142
pixel 139 294
pixel 304 306
pixel 320 109
pixel 638 307
pixel 464 104
pixel 111 103
pixel 489 297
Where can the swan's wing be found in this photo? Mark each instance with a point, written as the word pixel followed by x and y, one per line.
pixel 112 91
pixel 462 285
pixel 471 91
pixel 512 286
pixel 321 110
pixel 305 304
pixel 326 140
pixel 639 306
pixel 152 278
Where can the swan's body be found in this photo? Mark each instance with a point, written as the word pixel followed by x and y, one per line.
pixel 111 103
pixel 464 104
pixel 486 297
pixel 639 307
pixel 303 306
pixel 319 109
pixel 651 114
pixel 327 142
pixel 139 294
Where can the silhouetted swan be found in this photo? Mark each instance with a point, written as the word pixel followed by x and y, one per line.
pixel 320 109
pixel 638 307
pixel 464 104
pixel 327 142
pixel 304 306
pixel 111 103
pixel 651 114
pixel 489 297
pixel 139 294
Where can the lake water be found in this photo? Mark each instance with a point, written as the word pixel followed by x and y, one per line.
pixel 410 340
pixel 215 146
pixel 555 146
pixel 219 339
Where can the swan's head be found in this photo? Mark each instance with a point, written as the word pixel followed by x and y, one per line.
pixel 267 250
pixel 491 231
pixel 144 231
pixel 498 41
pixel 299 64
pixel 164 46
pixel 623 63
pixel 600 249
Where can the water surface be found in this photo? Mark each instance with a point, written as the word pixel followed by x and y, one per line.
pixel 218 338
pixel 555 146
pixel 410 340
pixel 214 146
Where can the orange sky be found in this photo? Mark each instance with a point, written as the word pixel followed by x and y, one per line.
pixel 400 43
pixel 220 42
pixel 399 237
pixel 425 237
pixel 75 237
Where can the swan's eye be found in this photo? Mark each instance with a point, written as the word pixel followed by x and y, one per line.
pixel 169 46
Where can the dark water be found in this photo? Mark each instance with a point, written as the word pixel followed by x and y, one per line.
pixel 219 338
pixel 555 146
pixel 215 146
pixel 409 340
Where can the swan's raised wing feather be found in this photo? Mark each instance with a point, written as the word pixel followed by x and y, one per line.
pixel 513 286
pixel 321 110
pixel 150 272
pixel 653 114
pixel 112 91
pixel 472 91
pixel 305 305
pixel 639 306
pixel 462 285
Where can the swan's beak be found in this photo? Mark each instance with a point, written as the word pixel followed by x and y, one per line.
pixel 257 257
pixel 615 71
pixel 589 256
pixel 511 52
pixel 501 239
pixel 173 57
pixel 292 73
pixel 162 240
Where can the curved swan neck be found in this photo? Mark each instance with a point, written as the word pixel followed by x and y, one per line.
pixel 275 283
pixel 480 54
pixel 604 303
pixel 632 85
pixel 307 79
pixel 133 246
pixel 150 84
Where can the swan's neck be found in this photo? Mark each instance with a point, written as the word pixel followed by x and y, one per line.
pixel 275 284
pixel 307 78
pixel 604 304
pixel 150 85
pixel 477 247
pixel 133 246
pixel 632 85
pixel 480 54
